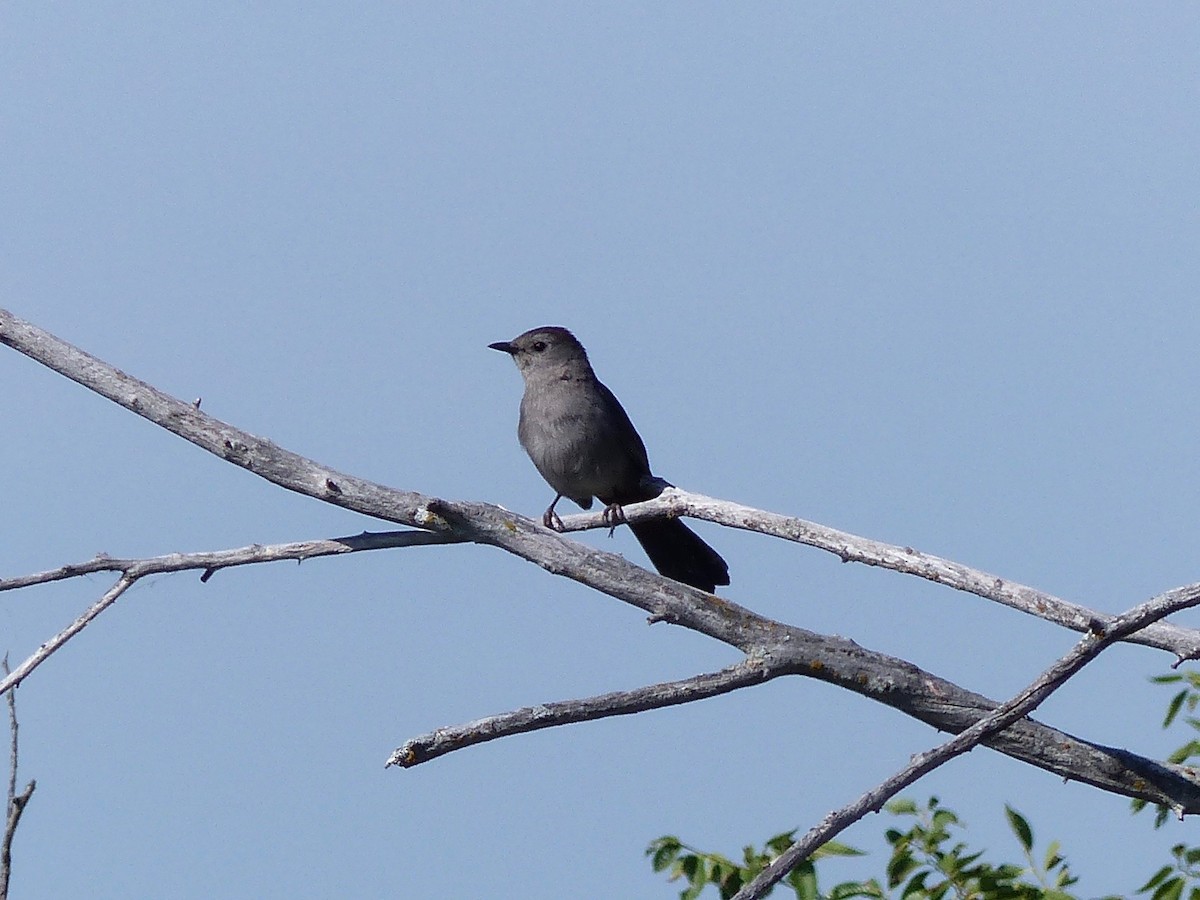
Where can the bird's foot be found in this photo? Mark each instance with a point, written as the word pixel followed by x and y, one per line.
pixel 613 516
pixel 551 520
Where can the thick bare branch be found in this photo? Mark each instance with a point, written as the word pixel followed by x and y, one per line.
pixel 779 648
pixel 928 698
pixel 547 715
pixel 1184 643
pixel 258 455
pixel 296 473
pixel 606 572
pixel 996 721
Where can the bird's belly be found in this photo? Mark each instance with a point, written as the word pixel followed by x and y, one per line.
pixel 577 457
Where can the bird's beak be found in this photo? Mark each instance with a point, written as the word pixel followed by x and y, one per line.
pixel 503 347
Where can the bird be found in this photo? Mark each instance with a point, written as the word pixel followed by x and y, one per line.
pixel 581 440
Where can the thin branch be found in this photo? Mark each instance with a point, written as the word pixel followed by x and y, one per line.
pixel 996 721
pixel 548 715
pixel 133 569
pixel 44 652
pixel 15 810
pixel 13 731
pixel 212 561
pixel 1184 643
pixel 13 735
pixel 16 802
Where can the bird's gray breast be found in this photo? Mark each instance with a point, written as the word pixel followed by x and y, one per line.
pixel 577 441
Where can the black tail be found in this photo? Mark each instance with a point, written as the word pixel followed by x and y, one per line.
pixel 679 553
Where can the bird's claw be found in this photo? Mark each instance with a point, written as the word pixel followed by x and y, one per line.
pixel 551 520
pixel 613 516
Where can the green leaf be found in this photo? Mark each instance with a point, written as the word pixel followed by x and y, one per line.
pixel 915 886
pixel 664 851
pixel 1173 708
pixel 899 867
pixel 730 882
pixel 1020 827
pixel 849 889
pixel 944 817
pixel 780 842
pixel 1166 679
pixel 1156 879
pixel 1052 859
pixel 837 848
pixel 962 862
pixel 803 879
pixel 1172 889
pixel 1191 748
pixel 690 865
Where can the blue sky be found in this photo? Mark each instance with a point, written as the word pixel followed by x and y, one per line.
pixel 923 272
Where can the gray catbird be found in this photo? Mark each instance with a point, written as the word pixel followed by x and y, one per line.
pixel 582 441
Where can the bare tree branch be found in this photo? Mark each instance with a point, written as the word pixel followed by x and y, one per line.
pixel 892 682
pixel 134 569
pixel 1183 642
pixel 296 473
pixel 1000 718
pixel 547 715
pixel 13 731
pixel 44 652
pixel 258 455
pixel 214 560
pixel 779 649
pixel 16 802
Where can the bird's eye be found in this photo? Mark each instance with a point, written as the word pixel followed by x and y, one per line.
pixel 539 346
